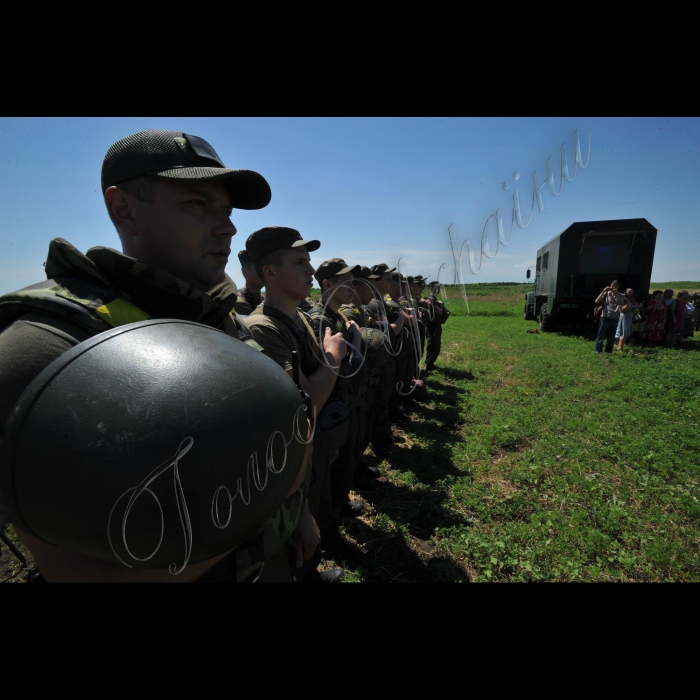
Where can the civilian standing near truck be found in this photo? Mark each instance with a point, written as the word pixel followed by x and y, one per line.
pixel 613 304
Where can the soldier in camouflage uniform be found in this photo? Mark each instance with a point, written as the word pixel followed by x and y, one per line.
pixel 390 319
pixel 399 298
pixel 281 259
pixel 435 327
pixel 249 297
pixel 375 342
pixel 335 278
pixel 170 198
pixel 423 312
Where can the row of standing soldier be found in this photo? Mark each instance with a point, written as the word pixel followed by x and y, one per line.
pixel 383 318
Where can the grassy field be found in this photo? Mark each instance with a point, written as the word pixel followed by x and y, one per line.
pixel 551 464
pixel 534 459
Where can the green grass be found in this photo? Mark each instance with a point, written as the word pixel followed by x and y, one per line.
pixel 553 464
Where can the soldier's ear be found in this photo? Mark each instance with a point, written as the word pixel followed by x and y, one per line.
pixel 120 207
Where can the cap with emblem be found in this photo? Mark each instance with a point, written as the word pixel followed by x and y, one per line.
pixel 382 269
pixel 267 240
pixel 332 268
pixel 174 155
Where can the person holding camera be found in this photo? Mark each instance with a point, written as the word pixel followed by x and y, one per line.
pixel 613 304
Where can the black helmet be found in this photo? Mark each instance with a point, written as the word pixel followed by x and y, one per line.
pixel 156 444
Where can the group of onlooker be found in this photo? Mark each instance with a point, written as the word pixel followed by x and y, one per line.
pixel 659 319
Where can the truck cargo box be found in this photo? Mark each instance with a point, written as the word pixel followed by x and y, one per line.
pixel 574 267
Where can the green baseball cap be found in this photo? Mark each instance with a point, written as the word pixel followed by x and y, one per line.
pixel 333 267
pixel 382 269
pixel 366 274
pixel 174 155
pixel 267 240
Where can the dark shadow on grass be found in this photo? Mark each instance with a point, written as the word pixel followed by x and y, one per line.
pixel 407 514
pixel 451 373
pixel 388 557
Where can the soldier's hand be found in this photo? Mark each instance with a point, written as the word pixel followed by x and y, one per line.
pixel 334 344
pixel 306 537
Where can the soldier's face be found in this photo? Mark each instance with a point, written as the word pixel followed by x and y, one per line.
pixel 295 275
pixel 343 288
pixel 187 231
pixel 384 284
pixel 362 294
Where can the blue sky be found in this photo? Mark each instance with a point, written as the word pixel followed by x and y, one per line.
pixel 374 189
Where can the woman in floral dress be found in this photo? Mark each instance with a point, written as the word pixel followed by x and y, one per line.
pixel 655 326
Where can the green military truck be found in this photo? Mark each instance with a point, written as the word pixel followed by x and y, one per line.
pixel 574 267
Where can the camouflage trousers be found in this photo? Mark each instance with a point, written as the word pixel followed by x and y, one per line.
pixel 403 369
pixel 434 343
pixel 342 470
pixel 368 414
pixel 381 423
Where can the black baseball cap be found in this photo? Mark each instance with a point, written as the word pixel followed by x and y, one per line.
pixel 243 257
pixel 267 240
pixel 333 267
pixel 174 155
pixel 382 269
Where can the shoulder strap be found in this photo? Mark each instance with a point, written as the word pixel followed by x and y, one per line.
pixel 343 316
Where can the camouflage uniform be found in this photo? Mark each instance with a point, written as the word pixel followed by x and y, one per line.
pixel 247 302
pixel 378 311
pixel 435 332
pixel 88 294
pixel 351 392
pixel 280 335
pixel 375 358
pixel 404 374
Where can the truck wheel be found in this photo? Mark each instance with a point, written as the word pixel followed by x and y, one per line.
pixel 528 315
pixel 546 322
